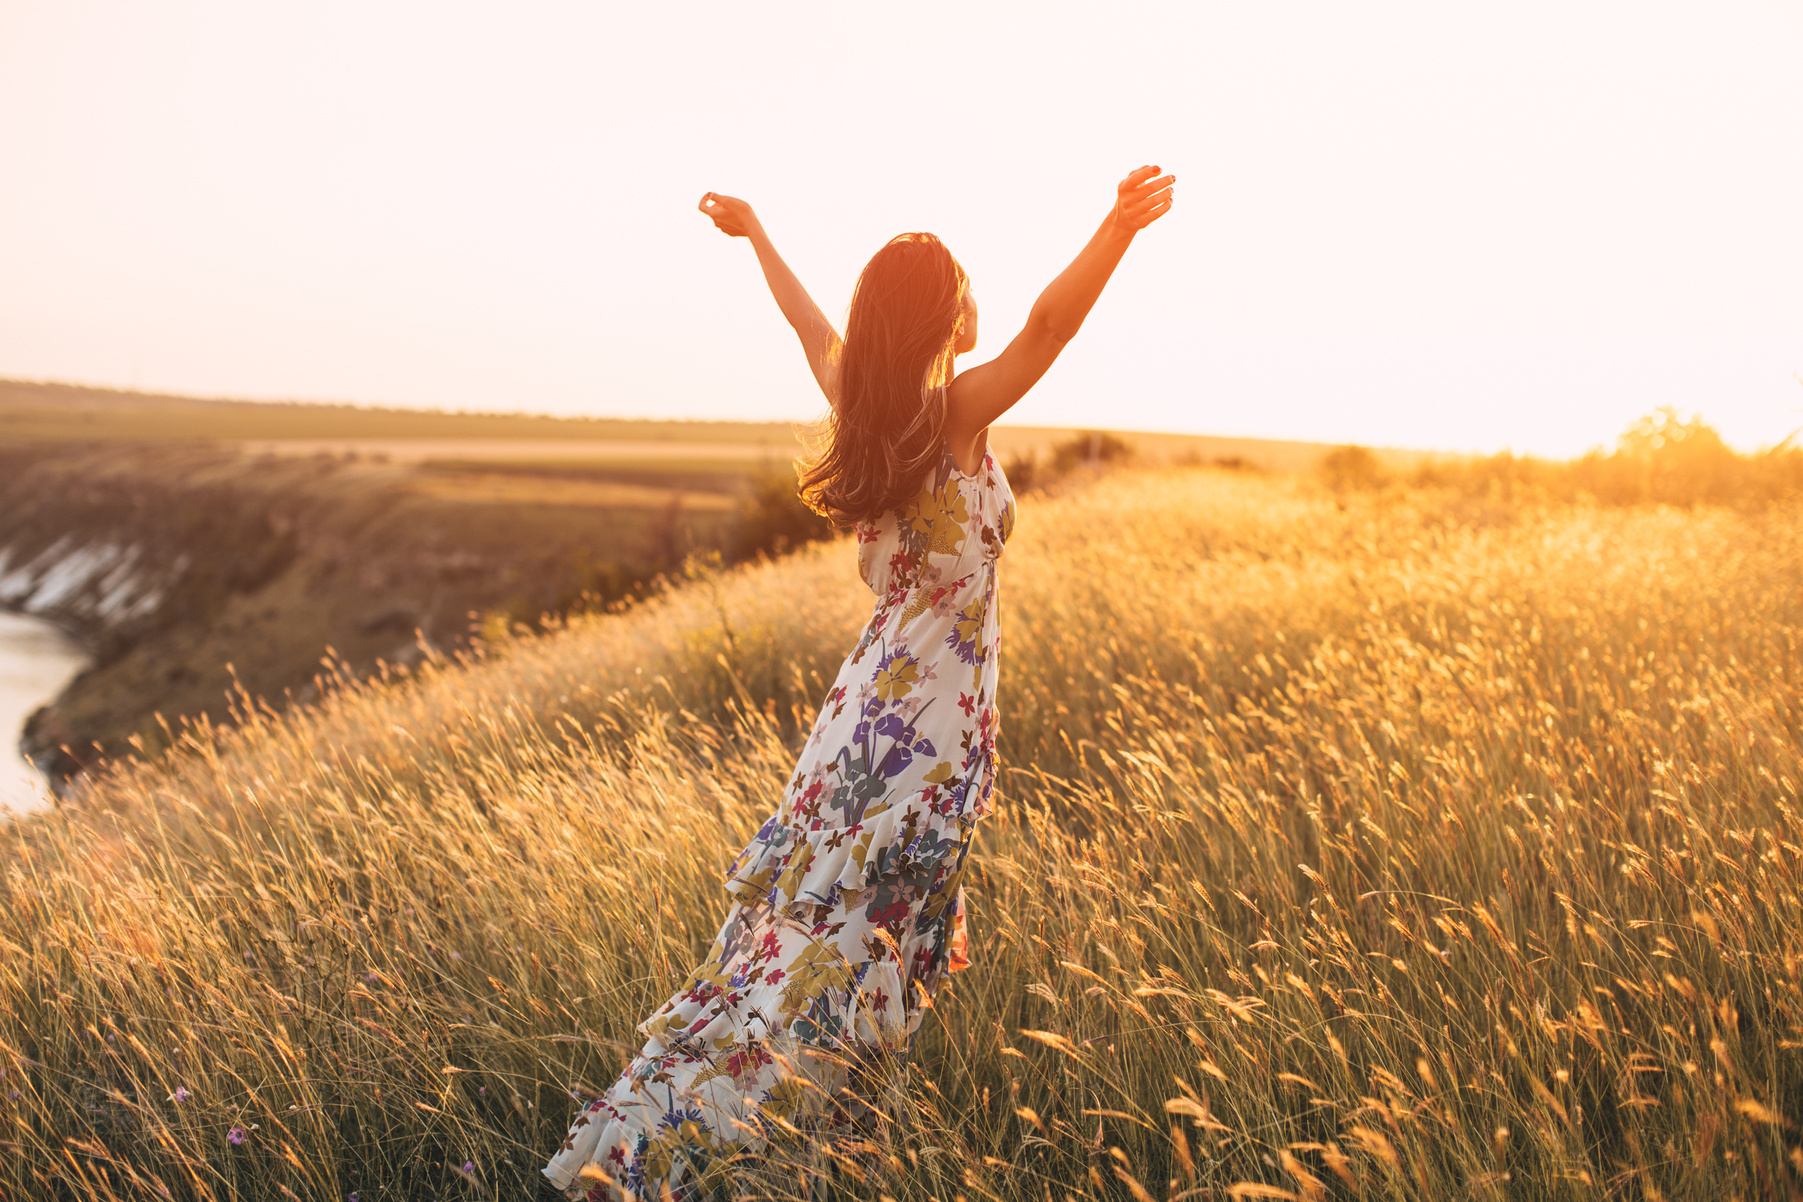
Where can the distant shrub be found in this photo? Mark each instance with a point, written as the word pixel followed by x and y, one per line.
pixel 1025 473
pixel 772 519
pixel 1351 468
pixel 1090 448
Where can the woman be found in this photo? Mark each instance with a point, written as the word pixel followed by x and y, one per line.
pixel 847 905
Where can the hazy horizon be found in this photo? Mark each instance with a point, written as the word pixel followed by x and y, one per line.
pixel 1499 227
pixel 1008 422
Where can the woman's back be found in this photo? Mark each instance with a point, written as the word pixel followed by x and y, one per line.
pixel 955 522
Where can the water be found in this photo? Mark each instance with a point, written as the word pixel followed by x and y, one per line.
pixel 36 661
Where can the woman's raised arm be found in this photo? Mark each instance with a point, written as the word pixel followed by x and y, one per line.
pixel 818 338
pixel 978 396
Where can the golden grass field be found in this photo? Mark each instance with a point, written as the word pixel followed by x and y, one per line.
pixel 1389 845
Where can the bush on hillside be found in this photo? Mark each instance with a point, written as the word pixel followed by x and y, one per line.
pixel 1352 468
pixel 1091 448
pixel 773 520
pixel 1088 448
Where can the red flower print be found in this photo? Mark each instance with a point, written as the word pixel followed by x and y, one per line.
pixel 750 1060
pixel 967 703
pixel 891 914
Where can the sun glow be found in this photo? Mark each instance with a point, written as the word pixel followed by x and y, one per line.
pixel 1516 225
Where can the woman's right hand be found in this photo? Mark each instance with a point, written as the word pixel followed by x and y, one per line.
pixel 731 216
pixel 1142 198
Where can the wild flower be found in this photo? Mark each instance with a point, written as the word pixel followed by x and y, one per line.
pixel 236 1137
pixel 180 1095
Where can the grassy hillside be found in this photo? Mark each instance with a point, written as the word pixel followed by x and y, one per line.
pixel 1384 845
pixel 240 538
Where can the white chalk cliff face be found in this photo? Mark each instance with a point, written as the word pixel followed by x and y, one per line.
pixel 95 584
pixel 93 587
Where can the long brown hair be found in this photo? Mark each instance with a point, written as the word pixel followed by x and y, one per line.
pixel 888 428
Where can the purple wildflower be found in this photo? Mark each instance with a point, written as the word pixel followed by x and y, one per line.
pixel 482 1091
pixel 236 1136
pixel 180 1095
pixel 469 1166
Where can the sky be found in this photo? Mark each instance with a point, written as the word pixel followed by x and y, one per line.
pixel 1468 226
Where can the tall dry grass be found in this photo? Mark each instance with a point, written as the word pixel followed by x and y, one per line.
pixel 1347 849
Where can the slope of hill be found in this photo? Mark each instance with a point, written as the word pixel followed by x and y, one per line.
pixel 175 561
pixel 1373 845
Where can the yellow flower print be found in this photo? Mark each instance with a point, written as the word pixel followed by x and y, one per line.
pixel 895 679
pixel 943 514
pixel 965 640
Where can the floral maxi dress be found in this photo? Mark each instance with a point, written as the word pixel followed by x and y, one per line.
pixel 848 907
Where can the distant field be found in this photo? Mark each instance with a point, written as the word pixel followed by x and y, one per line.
pixel 61 412
pixel 507 488
pixel 37 412
pixel 541 451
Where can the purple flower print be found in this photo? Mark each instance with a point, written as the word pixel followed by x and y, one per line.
pixel 896 762
pixel 689 1114
pixel 890 726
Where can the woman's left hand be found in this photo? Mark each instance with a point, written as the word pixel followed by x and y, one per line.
pixel 730 215
pixel 1142 198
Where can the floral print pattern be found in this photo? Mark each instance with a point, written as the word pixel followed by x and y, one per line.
pixel 848 907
